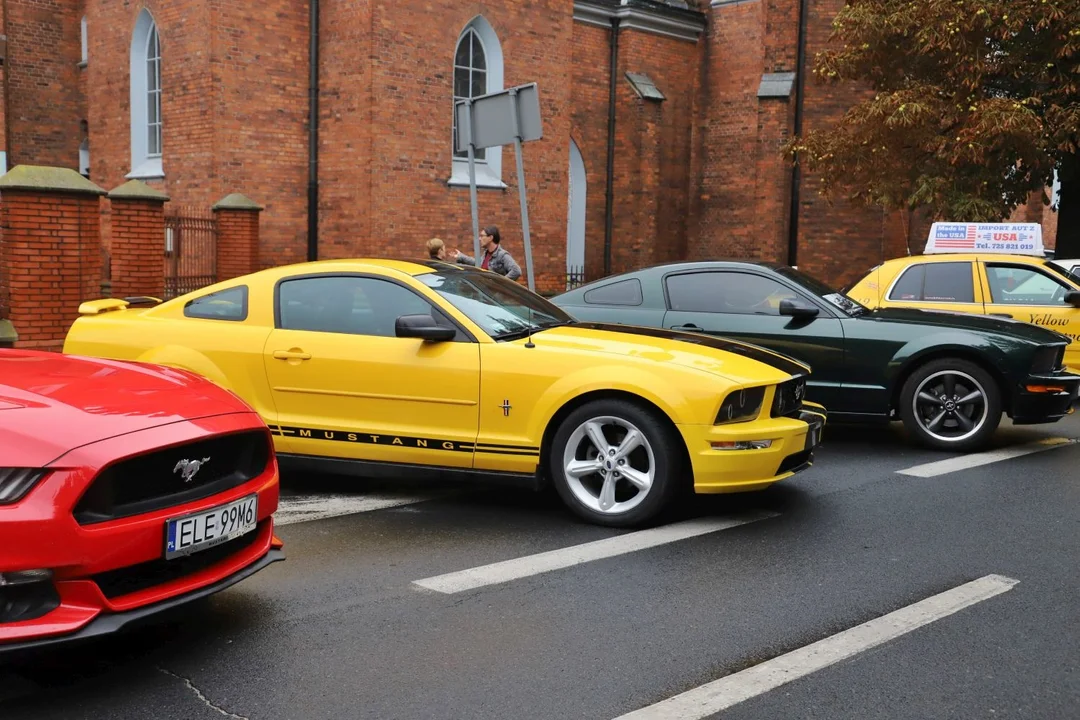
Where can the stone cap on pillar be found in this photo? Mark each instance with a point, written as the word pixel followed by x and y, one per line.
pixel 236 201
pixel 137 190
pixel 47 179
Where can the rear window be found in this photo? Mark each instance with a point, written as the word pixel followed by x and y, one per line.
pixel 624 292
pixel 936 282
pixel 228 304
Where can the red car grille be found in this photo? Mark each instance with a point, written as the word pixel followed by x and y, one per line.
pixel 128 580
pixel 164 478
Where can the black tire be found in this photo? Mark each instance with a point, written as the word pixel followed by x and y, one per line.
pixel 952 431
pixel 661 452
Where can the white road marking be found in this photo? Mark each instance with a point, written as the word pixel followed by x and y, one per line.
pixel 721 694
pixel 517 568
pixel 966 462
pixel 305 508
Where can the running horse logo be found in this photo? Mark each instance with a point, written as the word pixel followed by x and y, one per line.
pixel 188 468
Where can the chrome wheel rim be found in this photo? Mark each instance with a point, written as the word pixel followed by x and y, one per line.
pixel 609 465
pixel 950 405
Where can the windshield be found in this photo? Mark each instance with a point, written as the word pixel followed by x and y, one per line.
pixel 503 308
pixel 823 291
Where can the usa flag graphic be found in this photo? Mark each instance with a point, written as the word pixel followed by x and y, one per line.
pixel 958 242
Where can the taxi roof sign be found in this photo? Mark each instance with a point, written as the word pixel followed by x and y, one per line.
pixel 1007 238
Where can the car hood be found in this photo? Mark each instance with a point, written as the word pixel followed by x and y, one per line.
pixel 736 361
pixel 52 403
pixel 1017 328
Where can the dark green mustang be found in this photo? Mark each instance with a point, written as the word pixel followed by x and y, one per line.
pixel 947 376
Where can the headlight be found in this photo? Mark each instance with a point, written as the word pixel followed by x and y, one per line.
pixel 16 482
pixel 1047 359
pixel 741 405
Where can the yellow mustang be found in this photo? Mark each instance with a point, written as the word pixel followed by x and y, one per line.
pixel 383 366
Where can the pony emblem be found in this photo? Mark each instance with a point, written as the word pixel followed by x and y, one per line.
pixel 188 468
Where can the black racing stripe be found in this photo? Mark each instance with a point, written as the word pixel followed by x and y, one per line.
pixel 497 446
pixel 520 451
pixel 407 441
pixel 781 362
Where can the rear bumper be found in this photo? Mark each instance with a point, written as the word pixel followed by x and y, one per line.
pixel 1045 398
pixel 97 625
pixel 794 441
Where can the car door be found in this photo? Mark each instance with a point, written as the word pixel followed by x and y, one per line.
pixel 346 386
pixel 950 286
pixel 1035 295
pixel 745 305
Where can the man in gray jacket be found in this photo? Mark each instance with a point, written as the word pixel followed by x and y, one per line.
pixel 495 258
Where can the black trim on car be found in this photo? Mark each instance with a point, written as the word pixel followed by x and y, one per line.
pixel 767 357
pixel 291 462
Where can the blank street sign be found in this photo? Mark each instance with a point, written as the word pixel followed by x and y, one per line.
pixel 493 118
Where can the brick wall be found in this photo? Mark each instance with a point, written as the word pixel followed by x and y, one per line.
pixel 137 231
pixel 238 243
pixel 43 87
pixel 51 250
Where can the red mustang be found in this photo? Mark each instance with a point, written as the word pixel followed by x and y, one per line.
pixel 125 490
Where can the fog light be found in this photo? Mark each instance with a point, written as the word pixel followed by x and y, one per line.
pixel 25 577
pixel 1045 388
pixel 741 445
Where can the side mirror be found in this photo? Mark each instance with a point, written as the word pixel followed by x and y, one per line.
pixel 1072 297
pixel 423 327
pixel 798 309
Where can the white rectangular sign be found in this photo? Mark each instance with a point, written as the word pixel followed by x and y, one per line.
pixel 1009 238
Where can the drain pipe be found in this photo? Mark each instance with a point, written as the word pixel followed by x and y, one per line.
pixel 609 193
pixel 313 136
pixel 796 173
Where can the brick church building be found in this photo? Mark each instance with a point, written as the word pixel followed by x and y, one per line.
pixel 662 123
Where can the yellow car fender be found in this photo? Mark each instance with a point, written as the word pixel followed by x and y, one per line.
pixel 648 386
pixel 185 358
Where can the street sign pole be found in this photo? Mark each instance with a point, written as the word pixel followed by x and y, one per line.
pixel 521 192
pixel 472 185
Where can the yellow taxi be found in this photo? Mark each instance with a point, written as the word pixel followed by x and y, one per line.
pixel 982 268
pixel 387 367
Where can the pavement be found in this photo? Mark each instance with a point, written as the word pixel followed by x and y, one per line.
pixel 884 582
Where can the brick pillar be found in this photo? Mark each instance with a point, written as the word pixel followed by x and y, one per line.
pixel 138 240
pixel 50 245
pixel 237 236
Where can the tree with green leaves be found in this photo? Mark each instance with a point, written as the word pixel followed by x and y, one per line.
pixel 972 106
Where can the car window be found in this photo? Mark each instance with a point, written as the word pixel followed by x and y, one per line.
pixel 623 292
pixel 936 282
pixel 1016 285
pixel 346 304
pixel 228 304
pixel 727 292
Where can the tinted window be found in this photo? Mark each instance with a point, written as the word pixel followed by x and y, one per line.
pixel 228 304
pixel 624 292
pixel 936 282
pixel 727 292
pixel 502 307
pixel 1012 285
pixel 353 305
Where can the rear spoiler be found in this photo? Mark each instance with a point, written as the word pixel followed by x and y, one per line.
pixel 96 307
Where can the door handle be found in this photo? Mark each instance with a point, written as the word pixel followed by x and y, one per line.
pixel 291 355
pixel 687 326
pixel 1001 315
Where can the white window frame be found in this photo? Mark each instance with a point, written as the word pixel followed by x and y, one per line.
pixel 489 170
pixel 144 164
pixel 84 41
pixel 84 157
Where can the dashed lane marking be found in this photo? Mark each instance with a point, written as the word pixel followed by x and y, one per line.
pixel 507 570
pixel 966 462
pixel 305 508
pixel 711 698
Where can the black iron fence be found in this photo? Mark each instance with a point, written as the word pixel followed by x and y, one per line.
pixel 190 250
pixel 575 275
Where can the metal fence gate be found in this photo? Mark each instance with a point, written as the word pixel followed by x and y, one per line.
pixel 190 250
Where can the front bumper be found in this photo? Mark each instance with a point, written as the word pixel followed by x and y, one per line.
pixel 1045 398
pixel 110 574
pixel 794 441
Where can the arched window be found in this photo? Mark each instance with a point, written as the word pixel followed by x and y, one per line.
pixel 84 157
pixel 146 139
pixel 478 70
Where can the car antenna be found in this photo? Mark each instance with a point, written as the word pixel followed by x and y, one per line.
pixel 528 342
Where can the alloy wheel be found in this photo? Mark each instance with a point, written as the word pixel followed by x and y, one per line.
pixel 609 465
pixel 950 405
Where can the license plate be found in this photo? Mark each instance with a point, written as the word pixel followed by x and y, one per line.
pixel 205 529
pixel 813 435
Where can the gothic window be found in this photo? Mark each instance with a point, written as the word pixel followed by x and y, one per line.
pixel 146 137
pixel 478 70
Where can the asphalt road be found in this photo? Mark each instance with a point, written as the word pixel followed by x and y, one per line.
pixel 342 630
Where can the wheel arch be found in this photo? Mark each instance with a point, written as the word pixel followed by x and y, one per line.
pixel 186 358
pixel 556 420
pixel 969 354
